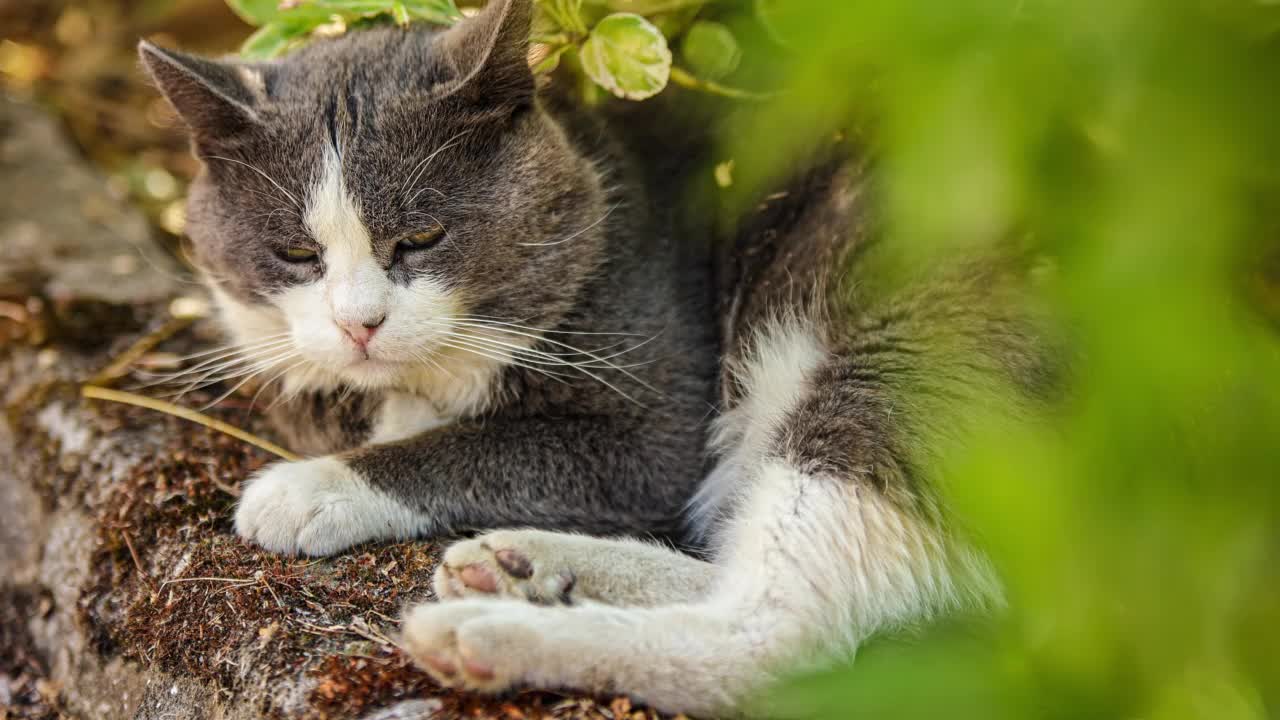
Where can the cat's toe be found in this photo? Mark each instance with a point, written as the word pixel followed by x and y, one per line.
pixel 467 644
pixel 513 563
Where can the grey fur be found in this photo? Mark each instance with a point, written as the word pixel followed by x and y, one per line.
pixel 843 384
pixel 566 452
pixel 906 356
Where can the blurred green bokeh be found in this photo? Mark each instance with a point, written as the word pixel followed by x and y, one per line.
pixel 1135 143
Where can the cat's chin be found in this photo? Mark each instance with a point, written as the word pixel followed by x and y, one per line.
pixel 373 373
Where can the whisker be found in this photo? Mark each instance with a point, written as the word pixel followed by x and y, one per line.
pixel 428 357
pixel 423 164
pixel 288 395
pixel 254 372
pixel 204 370
pixel 232 346
pixel 589 354
pixel 547 353
pixel 226 368
pixel 267 384
pixel 526 363
pixel 550 358
pixel 515 324
pixel 233 373
pixel 577 234
pixel 426 189
pixel 559 377
pixel 263 174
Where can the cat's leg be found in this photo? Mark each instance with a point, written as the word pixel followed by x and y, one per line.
pixel 817 550
pixel 562 568
pixel 560 473
pixel 813 565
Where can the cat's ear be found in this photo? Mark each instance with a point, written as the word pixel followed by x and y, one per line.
pixel 490 52
pixel 215 99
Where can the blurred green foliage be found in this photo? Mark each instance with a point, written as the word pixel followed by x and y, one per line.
pixel 1135 143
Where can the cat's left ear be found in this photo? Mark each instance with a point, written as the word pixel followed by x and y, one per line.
pixel 217 100
pixel 490 52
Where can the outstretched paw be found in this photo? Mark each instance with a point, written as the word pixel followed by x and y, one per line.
pixel 474 645
pixel 318 507
pixel 531 565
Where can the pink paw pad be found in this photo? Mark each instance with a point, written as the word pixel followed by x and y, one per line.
pixel 478 577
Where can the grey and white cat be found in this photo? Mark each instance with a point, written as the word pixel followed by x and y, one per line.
pixel 822 524
pixel 475 318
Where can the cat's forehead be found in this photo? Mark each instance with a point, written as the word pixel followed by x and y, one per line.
pixel 380 65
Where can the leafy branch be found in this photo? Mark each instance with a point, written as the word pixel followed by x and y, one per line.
pixel 623 46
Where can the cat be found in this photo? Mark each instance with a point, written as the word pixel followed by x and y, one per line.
pixel 477 316
pixel 834 388
pixel 839 388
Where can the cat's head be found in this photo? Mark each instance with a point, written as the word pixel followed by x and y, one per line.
pixel 369 205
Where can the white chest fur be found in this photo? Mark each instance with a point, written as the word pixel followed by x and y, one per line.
pixel 404 415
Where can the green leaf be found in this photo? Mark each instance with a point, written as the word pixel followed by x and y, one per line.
pixel 627 56
pixel 565 15
pixel 271 40
pixel 256 12
pixel 440 12
pixel 710 50
pixel 551 61
pixel 778 20
pixel 400 13
pixel 344 7
pixel 281 28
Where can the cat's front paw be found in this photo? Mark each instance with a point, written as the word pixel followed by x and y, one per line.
pixel 532 565
pixel 318 507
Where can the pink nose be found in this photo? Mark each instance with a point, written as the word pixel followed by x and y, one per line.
pixel 361 332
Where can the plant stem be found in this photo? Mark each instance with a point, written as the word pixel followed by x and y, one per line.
pixel 686 79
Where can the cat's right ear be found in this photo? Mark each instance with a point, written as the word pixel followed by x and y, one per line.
pixel 216 100
pixel 490 52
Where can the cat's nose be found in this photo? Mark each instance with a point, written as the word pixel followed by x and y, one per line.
pixel 362 331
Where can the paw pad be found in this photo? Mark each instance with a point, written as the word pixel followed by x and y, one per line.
pixel 518 564
pixel 515 563
pixel 478 577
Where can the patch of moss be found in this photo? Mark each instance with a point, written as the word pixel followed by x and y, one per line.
pixel 349 686
pixel 174 589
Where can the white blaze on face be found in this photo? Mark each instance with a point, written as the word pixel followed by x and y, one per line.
pixel 356 286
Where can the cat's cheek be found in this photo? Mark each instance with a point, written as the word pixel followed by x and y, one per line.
pixel 319 507
pixel 311 324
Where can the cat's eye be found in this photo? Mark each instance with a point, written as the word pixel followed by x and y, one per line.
pixel 423 239
pixel 298 254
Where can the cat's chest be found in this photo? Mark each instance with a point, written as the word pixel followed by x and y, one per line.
pixel 403 415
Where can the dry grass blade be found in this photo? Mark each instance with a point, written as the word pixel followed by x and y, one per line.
pixel 100 393
pixel 121 364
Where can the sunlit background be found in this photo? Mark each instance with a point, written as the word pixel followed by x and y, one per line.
pixel 1135 143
